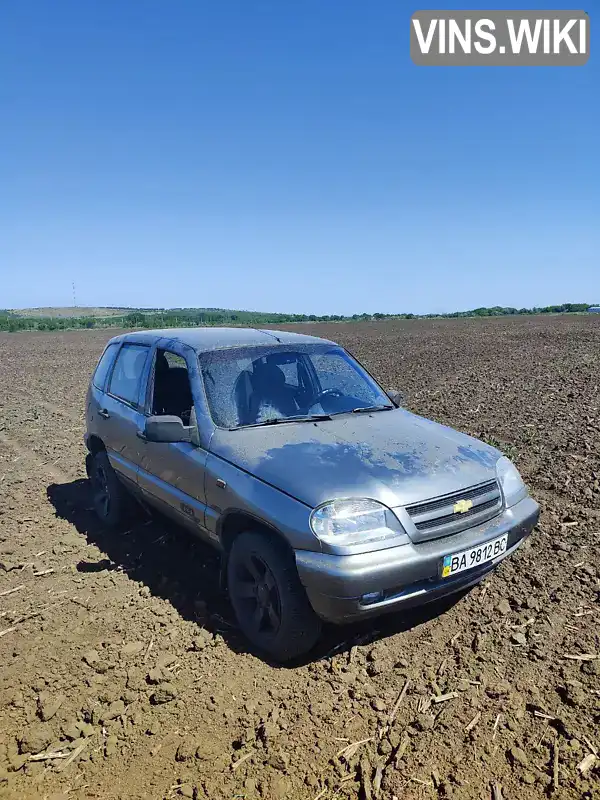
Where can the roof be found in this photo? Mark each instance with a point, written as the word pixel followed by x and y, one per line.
pixel 209 338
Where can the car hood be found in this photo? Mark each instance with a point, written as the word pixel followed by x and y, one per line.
pixel 392 456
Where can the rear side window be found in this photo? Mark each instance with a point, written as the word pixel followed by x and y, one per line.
pixel 126 378
pixel 104 365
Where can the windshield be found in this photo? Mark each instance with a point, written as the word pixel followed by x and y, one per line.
pixel 254 385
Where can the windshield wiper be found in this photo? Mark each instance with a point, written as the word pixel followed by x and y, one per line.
pixel 365 409
pixel 280 420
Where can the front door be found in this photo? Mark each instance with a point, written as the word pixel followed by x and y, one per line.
pixel 171 476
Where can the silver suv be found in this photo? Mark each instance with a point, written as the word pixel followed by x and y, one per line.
pixel 328 500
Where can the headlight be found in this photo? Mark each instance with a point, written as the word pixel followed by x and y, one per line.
pixel 346 522
pixel 511 482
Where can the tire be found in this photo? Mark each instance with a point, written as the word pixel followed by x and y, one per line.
pixel 269 601
pixel 110 499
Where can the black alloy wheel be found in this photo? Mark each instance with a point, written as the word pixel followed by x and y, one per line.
pixel 269 601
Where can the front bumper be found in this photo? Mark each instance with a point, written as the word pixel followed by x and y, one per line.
pixel 407 575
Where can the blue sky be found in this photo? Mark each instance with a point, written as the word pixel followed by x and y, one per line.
pixel 286 156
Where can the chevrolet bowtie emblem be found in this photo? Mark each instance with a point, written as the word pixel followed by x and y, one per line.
pixel 462 506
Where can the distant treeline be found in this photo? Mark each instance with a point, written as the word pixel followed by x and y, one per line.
pixel 190 317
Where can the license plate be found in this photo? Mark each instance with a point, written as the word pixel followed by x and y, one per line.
pixel 474 556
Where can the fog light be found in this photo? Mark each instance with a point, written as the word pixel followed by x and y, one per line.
pixel 370 598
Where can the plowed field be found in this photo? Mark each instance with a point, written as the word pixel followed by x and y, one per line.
pixel 122 674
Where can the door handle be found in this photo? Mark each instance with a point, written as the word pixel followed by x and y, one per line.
pixel 103 413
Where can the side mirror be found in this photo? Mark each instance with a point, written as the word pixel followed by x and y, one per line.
pixel 396 397
pixel 165 428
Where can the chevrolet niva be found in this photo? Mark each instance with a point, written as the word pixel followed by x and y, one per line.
pixel 328 499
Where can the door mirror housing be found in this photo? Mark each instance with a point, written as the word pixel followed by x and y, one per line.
pixel 396 397
pixel 166 428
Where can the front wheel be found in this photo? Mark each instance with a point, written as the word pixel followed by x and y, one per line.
pixel 269 601
pixel 109 496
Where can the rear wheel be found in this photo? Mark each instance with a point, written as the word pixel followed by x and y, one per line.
pixel 109 497
pixel 269 601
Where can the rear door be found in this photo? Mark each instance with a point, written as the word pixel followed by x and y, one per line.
pixel 97 387
pixel 120 414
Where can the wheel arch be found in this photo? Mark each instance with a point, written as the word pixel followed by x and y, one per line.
pixel 95 444
pixel 236 521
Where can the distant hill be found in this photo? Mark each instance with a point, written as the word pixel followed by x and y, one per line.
pixel 52 318
pixel 58 312
pixel 100 312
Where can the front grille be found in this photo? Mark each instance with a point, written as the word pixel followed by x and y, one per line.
pixel 437 517
pixel 437 521
pixel 451 499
